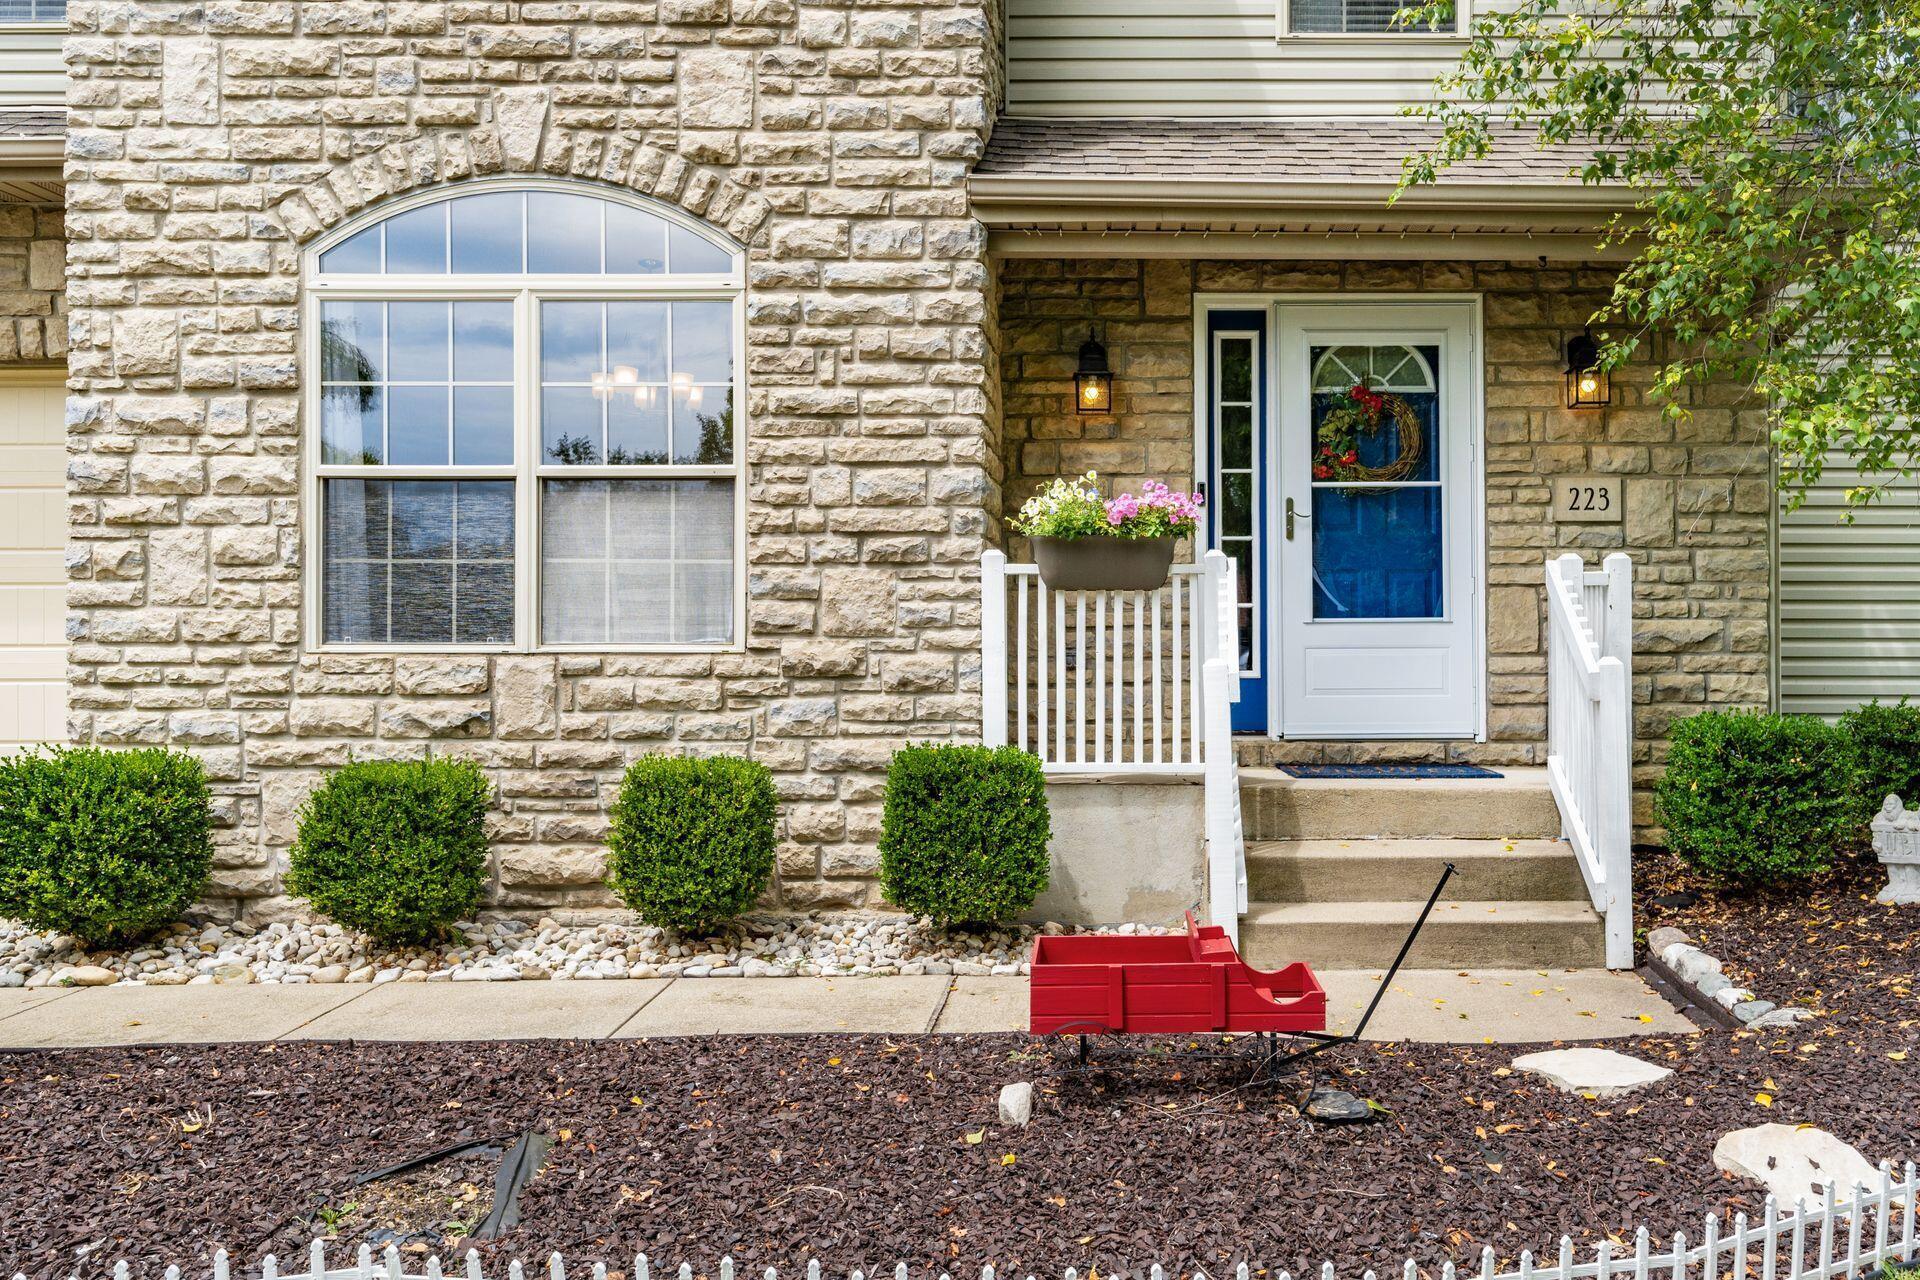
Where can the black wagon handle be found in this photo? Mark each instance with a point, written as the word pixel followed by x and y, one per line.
pixel 1405 947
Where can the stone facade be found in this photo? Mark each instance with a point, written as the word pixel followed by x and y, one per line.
pixel 1698 491
pixel 33 300
pixel 210 142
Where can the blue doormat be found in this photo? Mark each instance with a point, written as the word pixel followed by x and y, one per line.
pixel 1386 771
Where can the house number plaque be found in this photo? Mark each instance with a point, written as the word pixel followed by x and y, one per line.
pixel 1587 500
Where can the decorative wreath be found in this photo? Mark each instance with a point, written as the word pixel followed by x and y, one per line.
pixel 1337 456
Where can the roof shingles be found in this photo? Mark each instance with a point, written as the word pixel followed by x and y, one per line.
pixel 1332 151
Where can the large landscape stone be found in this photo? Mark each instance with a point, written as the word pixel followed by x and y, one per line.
pixel 1601 1073
pixel 1794 1162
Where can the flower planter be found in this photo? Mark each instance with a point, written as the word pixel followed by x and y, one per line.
pixel 1104 564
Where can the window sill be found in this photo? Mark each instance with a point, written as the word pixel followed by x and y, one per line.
pixel 1372 37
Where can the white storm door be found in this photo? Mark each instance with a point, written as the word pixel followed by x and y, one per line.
pixel 1377 571
pixel 33 576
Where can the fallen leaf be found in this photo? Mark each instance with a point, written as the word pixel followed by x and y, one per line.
pixel 1007 1158
pixel 1764 1099
pixel 975 1138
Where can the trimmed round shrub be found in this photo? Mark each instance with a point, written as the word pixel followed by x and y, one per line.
pixel 1756 799
pixel 395 849
pixel 1886 749
pixel 692 840
pixel 107 846
pixel 963 839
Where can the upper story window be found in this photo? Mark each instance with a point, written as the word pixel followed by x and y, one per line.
pixel 523 426
pixel 33 11
pixel 1358 18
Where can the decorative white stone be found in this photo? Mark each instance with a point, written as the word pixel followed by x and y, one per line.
pixel 90 975
pixel 1794 1162
pixel 1016 1103
pixel 1896 841
pixel 1601 1073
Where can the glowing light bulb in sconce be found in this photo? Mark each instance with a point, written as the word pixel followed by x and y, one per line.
pixel 643 396
pixel 625 375
pixel 602 385
pixel 693 397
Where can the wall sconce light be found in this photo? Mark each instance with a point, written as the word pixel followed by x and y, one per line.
pixel 1093 381
pixel 1587 383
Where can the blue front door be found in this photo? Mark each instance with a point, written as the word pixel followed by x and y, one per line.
pixel 1236 497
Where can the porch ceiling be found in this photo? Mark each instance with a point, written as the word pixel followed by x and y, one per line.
pixel 1277 188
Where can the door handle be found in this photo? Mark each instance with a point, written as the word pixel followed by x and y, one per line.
pixel 1291 513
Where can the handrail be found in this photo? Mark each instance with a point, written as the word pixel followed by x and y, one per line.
pixel 1590 731
pixel 1117 683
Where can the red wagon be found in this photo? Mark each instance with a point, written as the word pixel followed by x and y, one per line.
pixel 1093 984
pixel 1170 984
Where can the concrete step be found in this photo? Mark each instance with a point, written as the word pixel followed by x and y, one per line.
pixel 1461 934
pixel 1514 806
pixel 1405 870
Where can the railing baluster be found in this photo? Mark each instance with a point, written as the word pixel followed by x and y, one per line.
pixel 1178 663
pixel 1041 641
pixel 1119 675
pixel 1079 677
pixel 1099 678
pixel 1139 670
pixel 1159 598
pixel 1060 738
pixel 1020 662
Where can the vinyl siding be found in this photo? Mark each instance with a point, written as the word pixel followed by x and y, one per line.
pixel 1849 600
pixel 1206 58
pixel 31 72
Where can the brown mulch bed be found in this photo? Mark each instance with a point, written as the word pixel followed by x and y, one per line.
pixel 1824 945
pixel 855 1150
pixel 864 1151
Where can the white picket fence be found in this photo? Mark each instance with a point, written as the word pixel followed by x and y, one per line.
pixel 1836 1239
pixel 1119 683
pixel 1590 731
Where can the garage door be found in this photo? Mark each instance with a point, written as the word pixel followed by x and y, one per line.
pixel 33 586
pixel 1849 599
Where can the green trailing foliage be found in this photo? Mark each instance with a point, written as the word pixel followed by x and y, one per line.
pixel 963 838
pixel 692 840
pixel 107 846
pixel 395 849
pixel 1768 148
pixel 1756 800
pixel 1886 745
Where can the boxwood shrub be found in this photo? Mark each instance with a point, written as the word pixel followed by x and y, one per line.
pixel 1756 799
pixel 107 846
pixel 395 849
pixel 692 840
pixel 1886 748
pixel 963 837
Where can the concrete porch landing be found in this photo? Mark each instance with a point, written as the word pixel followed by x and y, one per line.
pixel 1504 1006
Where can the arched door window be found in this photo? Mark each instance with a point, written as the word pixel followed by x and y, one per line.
pixel 522 409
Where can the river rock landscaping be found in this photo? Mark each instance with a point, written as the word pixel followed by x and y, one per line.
pixel 508 950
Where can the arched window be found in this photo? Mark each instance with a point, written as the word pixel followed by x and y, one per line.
pixel 521 407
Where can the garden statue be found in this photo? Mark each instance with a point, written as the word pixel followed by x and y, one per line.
pixel 1896 839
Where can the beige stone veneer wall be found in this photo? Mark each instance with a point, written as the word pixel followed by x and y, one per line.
pixel 1697 492
pixel 33 268
pixel 211 141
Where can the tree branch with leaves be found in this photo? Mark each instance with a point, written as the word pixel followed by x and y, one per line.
pixel 1772 148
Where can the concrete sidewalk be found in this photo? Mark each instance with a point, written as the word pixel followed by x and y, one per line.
pixel 1503 1006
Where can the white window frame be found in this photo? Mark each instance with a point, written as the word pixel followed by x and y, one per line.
pixel 1462 25
pixel 527 472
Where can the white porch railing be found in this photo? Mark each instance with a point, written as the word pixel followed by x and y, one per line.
pixel 1590 731
pixel 1123 682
